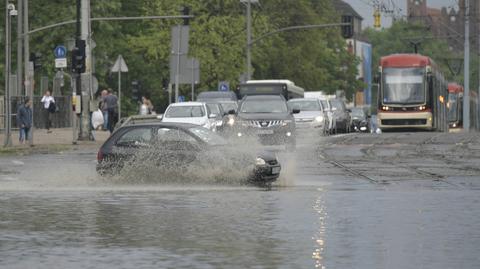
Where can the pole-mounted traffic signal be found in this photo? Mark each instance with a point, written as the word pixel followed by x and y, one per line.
pixel 377 19
pixel 186 12
pixel 347 30
pixel 136 90
pixel 36 59
pixel 78 57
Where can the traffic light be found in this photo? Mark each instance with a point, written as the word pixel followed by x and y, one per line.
pixel 377 19
pixel 78 57
pixel 36 59
pixel 186 12
pixel 347 30
pixel 136 91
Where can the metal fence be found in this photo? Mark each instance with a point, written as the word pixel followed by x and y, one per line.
pixel 60 119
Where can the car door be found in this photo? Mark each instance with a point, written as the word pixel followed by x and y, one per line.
pixel 175 147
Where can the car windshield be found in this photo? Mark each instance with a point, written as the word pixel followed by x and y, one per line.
pixel 264 106
pixel 403 86
pixel 185 112
pixel 214 109
pixel 358 112
pixel 208 136
pixel 452 107
pixel 229 106
pixel 324 103
pixel 304 105
pixel 336 105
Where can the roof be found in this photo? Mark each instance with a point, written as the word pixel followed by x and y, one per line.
pixel 271 81
pixel 345 9
pixel 187 104
pixel 455 88
pixel 405 60
pixel 264 97
pixel 303 99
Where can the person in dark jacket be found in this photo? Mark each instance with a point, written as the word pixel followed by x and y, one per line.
pixel 25 120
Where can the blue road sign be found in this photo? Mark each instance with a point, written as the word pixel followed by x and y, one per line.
pixel 181 98
pixel 223 86
pixel 60 52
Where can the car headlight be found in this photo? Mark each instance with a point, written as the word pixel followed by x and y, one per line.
pixel 286 122
pixel 319 118
pixel 231 121
pixel 206 125
pixel 260 161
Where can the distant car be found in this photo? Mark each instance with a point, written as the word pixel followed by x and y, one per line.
pixel 229 106
pixel 268 118
pixel 191 112
pixel 312 114
pixel 178 146
pixel 341 115
pixel 331 123
pixel 221 116
pixel 360 121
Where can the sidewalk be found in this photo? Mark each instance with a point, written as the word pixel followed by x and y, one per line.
pixel 61 137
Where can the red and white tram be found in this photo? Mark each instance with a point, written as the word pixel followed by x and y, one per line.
pixel 412 93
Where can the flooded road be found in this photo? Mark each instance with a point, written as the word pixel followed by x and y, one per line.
pixel 324 213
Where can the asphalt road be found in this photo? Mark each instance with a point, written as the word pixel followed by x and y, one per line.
pixel 394 200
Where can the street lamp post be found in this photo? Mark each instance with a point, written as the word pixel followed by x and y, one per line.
pixel 9 11
pixel 249 35
pixel 466 70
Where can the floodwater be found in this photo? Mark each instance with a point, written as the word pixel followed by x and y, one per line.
pixel 56 213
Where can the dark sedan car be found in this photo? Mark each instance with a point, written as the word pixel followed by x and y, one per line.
pixel 360 121
pixel 181 147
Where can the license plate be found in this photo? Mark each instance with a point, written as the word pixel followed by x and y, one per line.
pixel 275 170
pixel 265 131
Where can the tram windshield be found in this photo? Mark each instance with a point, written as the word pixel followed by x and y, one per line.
pixel 452 107
pixel 403 86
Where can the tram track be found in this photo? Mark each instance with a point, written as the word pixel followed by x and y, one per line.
pixel 371 156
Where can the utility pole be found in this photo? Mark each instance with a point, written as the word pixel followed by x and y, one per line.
pixel 85 86
pixel 19 47
pixel 466 70
pixel 29 81
pixel 249 38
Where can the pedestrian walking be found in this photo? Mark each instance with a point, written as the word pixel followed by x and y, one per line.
pixel 104 109
pixel 111 101
pixel 146 108
pixel 49 108
pixel 25 120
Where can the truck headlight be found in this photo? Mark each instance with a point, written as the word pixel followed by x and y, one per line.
pixel 260 161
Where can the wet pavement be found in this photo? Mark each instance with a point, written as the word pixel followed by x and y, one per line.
pixel 395 200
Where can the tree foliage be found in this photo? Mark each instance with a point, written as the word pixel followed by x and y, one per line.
pixel 315 59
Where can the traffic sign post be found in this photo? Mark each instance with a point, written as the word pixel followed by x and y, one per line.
pixel 60 53
pixel 119 66
pixel 223 86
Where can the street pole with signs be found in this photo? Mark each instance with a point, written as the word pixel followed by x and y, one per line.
pixel 119 67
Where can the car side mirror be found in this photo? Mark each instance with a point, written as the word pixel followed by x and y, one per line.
pixel 212 116
pixel 295 111
pixel 231 112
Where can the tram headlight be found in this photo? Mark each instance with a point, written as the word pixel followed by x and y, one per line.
pixel 386 108
pixel 421 108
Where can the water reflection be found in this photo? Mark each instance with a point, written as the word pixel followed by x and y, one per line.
pixel 321 210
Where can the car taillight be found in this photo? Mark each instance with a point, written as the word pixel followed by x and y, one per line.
pixel 99 156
